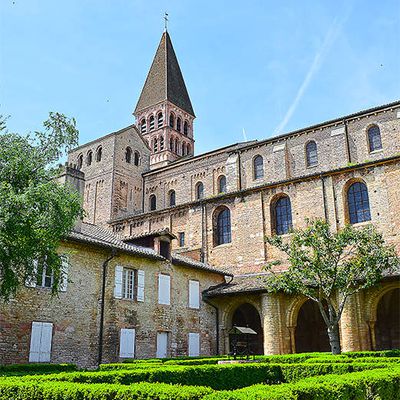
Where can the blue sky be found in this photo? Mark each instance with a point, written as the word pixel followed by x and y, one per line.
pixel 266 66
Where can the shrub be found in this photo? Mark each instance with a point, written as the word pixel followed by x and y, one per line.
pixel 35 368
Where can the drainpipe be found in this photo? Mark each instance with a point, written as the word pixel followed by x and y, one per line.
pixel 204 297
pixel 102 304
pixel 346 133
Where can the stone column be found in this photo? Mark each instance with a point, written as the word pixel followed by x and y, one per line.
pixel 350 339
pixel 271 322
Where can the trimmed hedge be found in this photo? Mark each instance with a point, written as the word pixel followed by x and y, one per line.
pixel 383 384
pixel 21 390
pixel 35 368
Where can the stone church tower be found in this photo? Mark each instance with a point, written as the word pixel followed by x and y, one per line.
pixel 164 112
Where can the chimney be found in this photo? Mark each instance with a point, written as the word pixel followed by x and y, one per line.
pixel 72 176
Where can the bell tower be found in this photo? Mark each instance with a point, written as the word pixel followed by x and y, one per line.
pixel 164 113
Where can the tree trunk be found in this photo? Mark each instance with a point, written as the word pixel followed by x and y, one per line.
pixel 334 338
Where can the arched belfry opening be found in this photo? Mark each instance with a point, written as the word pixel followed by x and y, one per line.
pixel 387 327
pixel 247 315
pixel 311 332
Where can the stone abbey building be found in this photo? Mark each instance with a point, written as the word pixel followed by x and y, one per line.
pixel 171 252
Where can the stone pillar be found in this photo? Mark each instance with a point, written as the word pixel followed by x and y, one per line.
pixel 271 321
pixel 349 334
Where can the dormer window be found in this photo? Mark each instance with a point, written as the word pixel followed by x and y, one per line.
pixel 151 123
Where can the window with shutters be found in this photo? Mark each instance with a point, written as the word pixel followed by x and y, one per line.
pixel 194 345
pixel 164 289
pixel 127 343
pixel 129 283
pixel 162 344
pixel 194 294
pixel 44 276
pixel 40 347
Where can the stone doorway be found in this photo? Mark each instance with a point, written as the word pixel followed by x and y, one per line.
pixel 311 334
pixel 247 315
pixel 387 327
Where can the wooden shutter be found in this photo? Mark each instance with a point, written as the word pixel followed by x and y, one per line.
pixel 31 281
pixel 162 344
pixel 118 282
pixel 64 273
pixel 140 285
pixel 194 294
pixel 194 344
pixel 41 336
pixel 164 286
pixel 127 343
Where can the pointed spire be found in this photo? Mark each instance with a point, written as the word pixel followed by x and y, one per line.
pixel 164 80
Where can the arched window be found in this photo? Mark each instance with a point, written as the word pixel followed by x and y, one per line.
pixel 171 120
pixel 136 158
pixel 89 157
pixel 185 128
pixel 183 149
pixel 282 216
pixel 160 120
pixel 155 145
pixel 152 202
pixel 176 146
pixel 99 153
pixel 171 144
pixel 199 190
pixel 311 154
pixel 178 124
pixel 358 203
pixel 161 143
pixel 374 138
pixel 188 149
pixel 143 126
pixel 172 198
pixel 258 167
pixel 80 161
pixel 151 123
pixel 222 184
pixel 128 155
pixel 222 231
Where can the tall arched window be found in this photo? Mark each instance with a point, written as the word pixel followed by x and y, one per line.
pixel 80 161
pixel 160 119
pixel 143 126
pixel 188 148
pixel 128 155
pixel 358 203
pixel 311 154
pixel 222 184
pixel 258 167
pixel 136 158
pixel 151 123
pixel 171 144
pixel 374 138
pixel 178 124
pixel 152 202
pixel 176 146
pixel 199 190
pixel 155 145
pixel 222 231
pixel 172 198
pixel 161 143
pixel 282 215
pixel 89 157
pixel 185 128
pixel 99 152
pixel 171 120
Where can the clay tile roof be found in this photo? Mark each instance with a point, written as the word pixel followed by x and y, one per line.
pixel 158 232
pixel 178 259
pixel 164 80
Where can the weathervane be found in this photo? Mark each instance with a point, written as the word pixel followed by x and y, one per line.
pixel 166 21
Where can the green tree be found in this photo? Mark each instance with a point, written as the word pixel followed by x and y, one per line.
pixel 328 267
pixel 35 211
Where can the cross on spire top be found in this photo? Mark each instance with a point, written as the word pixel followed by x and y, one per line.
pixel 166 21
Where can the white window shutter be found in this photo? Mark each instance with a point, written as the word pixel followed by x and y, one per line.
pixel 194 344
pixel 31 281
pixel 118 282
pixel 194 294
pixel 162 344
pixel 127 343
pixel 164 289
pixel 140 285
pixel 64 273
pixel 45 342
pixel 36 333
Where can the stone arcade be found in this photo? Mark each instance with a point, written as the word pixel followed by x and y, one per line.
pixel 171 252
